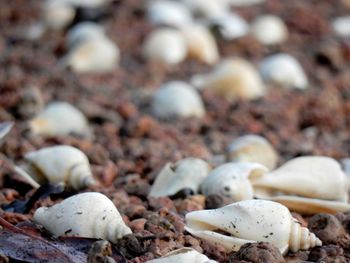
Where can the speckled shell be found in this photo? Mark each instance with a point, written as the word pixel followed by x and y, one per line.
pixel 252 148
pixel 85 215
pixel 186 173
pixel 97 55
pixel 165 45
pixel 59 118
pixel 269 30
pixel 251 221
pixel 184 255
pixel 177 99
pixel 201 44
pixel 284 70
pixel 309 176
pixel 232 180
pixel 232 78
pixel 61 164
pixel 82 32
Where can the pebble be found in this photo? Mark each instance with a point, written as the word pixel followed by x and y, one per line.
pixel 341 26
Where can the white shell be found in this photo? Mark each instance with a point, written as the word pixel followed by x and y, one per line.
pixel 201 44
pixel 57 14
pixel 252 148
pixel 184 254
pixel 284 70
pixel 165 45
pixel 251 221
pixel 186 173
pixel 269 30
pixel 177 99
pixel 85 215
pixel 341 26
pixel 171 13
pixel 244 2
pixel 82 32
pixel 230 25
pixel 61 164
pixel 232 78
pixel 97 55
pixel 232 180
pixel 59 118
pixel 206 8
pixel 309 176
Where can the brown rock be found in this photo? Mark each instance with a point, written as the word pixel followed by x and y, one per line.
pixel 137 224
pixel 327 254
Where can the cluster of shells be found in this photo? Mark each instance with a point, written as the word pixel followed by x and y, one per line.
pixel 260 191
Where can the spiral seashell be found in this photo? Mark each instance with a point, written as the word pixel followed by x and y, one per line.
pixel 252 148
pixel 59 118
pixel 232 78
pixel 60 164
pixel 88 214
pixel 177 99
pixel 186 173
pixel 165 45
pixel 184 254
pixel 232 180
pixel 251 221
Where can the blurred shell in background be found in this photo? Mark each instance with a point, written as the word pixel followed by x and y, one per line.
pixel 184 254
pixel 82 32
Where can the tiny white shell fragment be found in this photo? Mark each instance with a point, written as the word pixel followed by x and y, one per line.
pixel 309 176
pixel 232 78
pixel 57 14
pixel 186 173
pixel 269 30
pixel 183 255
pixel 229 25
pixel 253 148
pixel 283 69
pixel 82 32
pixel 61 164
pixel 171 13
pixel 97 55
pixel 232 180
pixel 59 118
pixel 88 214
pixel 341 26
pixel 244 2
pixel 166 46
pixel 201 44
pixel 206 8
pixel 177 99
pixel 251 221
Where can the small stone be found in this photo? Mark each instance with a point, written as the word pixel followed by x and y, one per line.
pixel 327 254
pixel 100 252
pixel 137 225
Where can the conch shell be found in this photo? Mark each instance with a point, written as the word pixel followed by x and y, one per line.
pixel 186 173
pixel 59 118
pixel 60 164
pixel 251 221
pixel 253 148
pixel 232 180
pixel 184 254
pixel 88 214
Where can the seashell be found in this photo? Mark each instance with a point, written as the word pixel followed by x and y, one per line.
pixel 232 180
pixel 206 8
pixel 59 118
pixel 237 3
pixel 82 32
pixel 269 30
pixel 57 14
pixel 88 214
pixel 341 26
pixel 232 78
pixel 97 55
pixel 283 69
pixel 310 206
pixel 170 13
pixel 309 176
pixel 252 148
pixel 201 44
pixel 60 164
pixel 165 45
pixel 229 26
pixel 184 254
pixel 251 221
pixel 177 99
pixel 186 173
